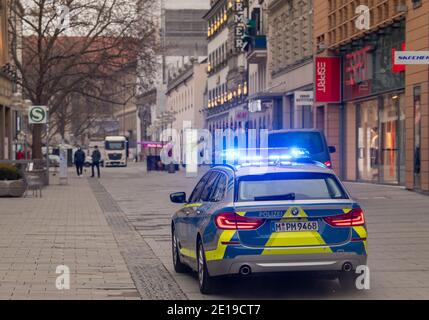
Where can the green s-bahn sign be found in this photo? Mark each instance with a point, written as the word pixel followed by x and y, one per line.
pixel 38 115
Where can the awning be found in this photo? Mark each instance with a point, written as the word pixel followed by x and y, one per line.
pixel 266 96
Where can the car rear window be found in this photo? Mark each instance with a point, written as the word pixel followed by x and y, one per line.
pixel 311 141
pixel 289 186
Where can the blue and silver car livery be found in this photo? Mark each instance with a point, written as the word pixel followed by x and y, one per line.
pixel 295 217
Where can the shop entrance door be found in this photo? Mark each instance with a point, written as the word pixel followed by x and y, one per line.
pixel 368 141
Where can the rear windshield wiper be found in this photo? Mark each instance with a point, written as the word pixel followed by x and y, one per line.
pixel 289 196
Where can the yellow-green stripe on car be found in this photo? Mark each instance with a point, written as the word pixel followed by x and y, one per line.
pixel 219 252
pixel 193 205
pixel 188 253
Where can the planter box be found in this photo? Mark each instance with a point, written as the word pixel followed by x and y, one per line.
pixel 14 188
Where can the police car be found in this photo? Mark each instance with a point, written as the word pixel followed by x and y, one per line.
pixel 279 215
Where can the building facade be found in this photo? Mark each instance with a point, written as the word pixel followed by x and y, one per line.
pixel 290 62
pixel 185 98
pixel 262 104
pixel 227 87
pixel 182 36
pixel 380 123
pixel 13 126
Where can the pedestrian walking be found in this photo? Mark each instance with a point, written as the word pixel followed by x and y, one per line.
pixel 96 157
pixel 79 161
pixel 20 155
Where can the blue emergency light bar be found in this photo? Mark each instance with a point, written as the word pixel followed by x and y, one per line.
pixel 264 156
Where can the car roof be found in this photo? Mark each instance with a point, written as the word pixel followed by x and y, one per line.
pixel 292 168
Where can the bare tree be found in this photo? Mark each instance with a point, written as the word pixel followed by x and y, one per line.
pixel 90 48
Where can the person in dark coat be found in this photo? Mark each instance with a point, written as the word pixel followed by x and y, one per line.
pixel 79 161
pixel 96 158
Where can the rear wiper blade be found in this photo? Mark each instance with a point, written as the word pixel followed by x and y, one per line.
pixel 289 196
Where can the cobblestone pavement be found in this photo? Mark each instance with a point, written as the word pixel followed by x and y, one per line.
pixel 65 227
pixel 152 279
pixel 398 221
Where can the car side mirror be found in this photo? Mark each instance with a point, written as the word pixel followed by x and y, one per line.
pixel 178 197
pixel 332 149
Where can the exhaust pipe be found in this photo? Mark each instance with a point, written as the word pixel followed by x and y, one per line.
pixel 245 270
pixel 347 267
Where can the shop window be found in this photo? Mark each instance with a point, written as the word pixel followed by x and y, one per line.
pixel 368 141
pixel 392 133
pixel 320 118
pixel 417 136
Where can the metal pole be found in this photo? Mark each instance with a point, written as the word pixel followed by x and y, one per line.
pixel 47 148
pixel 25 144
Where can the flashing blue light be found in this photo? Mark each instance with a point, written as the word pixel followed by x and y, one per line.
pixel 281 157
pixel 298 153
pixel 261 157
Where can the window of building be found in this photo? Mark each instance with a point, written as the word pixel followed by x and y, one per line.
pixel 417 3
pixel 392 134
pixel 368 141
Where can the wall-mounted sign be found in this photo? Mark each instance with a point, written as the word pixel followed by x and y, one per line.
pixel 358 68
pixel 255 106
pixel 240 25
pixel 38 115
pixel 304 98
pixel 328 79
pixel 411 57
pixel 239 114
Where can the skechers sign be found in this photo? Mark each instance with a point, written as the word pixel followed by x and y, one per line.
pixel 411 57
pixel 38 115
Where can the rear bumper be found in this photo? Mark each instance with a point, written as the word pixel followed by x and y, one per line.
pixel 286 263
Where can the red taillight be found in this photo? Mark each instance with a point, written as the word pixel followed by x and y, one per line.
pixel 328 164
pixel 232 221
pixel 354 218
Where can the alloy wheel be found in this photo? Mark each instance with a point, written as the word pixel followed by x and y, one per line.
pixel 201 265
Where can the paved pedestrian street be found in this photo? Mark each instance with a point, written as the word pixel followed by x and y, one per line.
pixel 65 227
pixel 114 235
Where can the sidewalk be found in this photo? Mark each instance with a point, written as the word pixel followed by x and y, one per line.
pixel 65 227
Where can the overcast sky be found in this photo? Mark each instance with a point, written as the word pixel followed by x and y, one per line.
pixel 187 4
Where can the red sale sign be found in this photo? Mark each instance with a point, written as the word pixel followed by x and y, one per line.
pixel 328 79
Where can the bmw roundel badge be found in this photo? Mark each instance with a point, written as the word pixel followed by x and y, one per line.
pixel 295 212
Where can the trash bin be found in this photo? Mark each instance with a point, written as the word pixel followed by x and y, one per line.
pixel 171 168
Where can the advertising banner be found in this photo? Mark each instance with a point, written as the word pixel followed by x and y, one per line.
pixel 328 79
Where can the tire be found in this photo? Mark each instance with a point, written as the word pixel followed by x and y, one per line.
pixel 179 267
pixel 205 282
pixel 348 281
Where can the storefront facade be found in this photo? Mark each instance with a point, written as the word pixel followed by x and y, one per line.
pixel 374 106
pixel 380 121
pixel 227 83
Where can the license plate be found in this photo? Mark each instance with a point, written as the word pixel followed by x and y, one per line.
pixel 296 226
